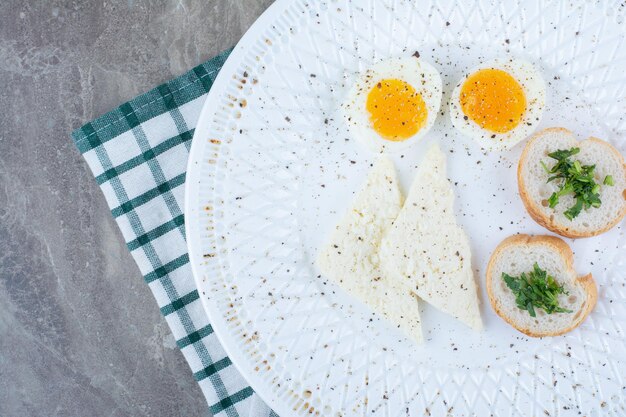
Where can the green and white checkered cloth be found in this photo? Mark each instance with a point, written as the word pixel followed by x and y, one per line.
pixel 138 155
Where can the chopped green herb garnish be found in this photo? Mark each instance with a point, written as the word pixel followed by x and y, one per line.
pixel 576 179
pixel 536 289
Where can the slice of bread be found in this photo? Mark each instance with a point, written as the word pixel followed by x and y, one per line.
pixel 351 258
pixel 517 254
pixel 426 248
pixel 535 190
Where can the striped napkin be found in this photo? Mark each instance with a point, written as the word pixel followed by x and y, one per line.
pixel 138 156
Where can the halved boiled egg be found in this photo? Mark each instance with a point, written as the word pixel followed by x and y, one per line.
pixel 393 103
pixel 499 103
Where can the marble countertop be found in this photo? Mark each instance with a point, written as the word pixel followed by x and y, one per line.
pixel 67 282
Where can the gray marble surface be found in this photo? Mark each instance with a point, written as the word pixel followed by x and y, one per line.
pixel 80 334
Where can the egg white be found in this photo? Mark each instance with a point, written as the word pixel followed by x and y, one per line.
pixel 422 76
pixel 534 89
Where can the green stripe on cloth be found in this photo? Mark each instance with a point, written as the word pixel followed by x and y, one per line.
pixel 144 157
pixel 130 116
pixel 168 98
pixel 211 369
pixel 151 194
pixel 231 400
pixel 155 234
pixel 183 89
pixel 195 337
pixel 201 73
pixel 180 303
pixel 166 269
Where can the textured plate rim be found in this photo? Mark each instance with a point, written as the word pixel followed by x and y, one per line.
pixel 191 204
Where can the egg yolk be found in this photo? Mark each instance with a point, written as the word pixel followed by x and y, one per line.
pixel 396 110
pixel 493 99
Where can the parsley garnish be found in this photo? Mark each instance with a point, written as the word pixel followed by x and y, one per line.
pixel 575 179
pixel 536 289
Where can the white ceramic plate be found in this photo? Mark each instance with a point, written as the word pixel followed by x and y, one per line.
pixel 272 168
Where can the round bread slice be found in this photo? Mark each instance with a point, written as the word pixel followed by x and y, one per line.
pixel 535 190
pixel 517 254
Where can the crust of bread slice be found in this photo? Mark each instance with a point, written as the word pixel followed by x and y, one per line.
pixel 540 214
pixel 586 282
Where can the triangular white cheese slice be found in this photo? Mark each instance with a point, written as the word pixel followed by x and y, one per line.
pixel 426 249
pixel 351 259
